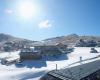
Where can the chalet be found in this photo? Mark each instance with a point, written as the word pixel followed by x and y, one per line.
pixel 86 43
pixel 43 50
pixel 29 53
pixel 51 49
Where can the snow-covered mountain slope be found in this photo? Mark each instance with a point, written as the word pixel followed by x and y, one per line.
pixel 33 70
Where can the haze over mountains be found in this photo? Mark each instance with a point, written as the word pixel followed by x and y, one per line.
pixel 8 42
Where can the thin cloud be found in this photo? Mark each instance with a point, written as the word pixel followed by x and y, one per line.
pixel 45 24
pixel 8 11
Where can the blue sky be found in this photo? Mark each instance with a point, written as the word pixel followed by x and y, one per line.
pixel 49 18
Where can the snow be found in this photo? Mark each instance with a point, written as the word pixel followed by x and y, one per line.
pixel 33 70
pixel 9 54
pixel 11 58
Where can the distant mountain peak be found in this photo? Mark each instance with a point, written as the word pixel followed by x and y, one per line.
pixel 10 43
pixel 4 37
pixel 73 35
pixel 2 34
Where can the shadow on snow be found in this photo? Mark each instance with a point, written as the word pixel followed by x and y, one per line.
pixel 42 62
pixel 55 57
pixel 30 75
pixel 31 63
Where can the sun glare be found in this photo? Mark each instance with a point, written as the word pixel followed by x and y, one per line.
pixel 27 9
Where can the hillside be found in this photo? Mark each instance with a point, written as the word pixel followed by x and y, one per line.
pixel 10 43
pixel 73 40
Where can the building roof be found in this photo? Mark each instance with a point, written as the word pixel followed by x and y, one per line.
pixel 77 72
pixel 12 58
pixel 47 44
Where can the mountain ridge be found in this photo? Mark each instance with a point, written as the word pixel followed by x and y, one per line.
pixel 8 42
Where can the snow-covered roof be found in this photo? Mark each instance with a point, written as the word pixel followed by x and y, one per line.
pixel 77 72
pixel 12 58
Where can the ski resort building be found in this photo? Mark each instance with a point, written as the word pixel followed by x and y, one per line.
pixel 51 49
pixel 40 51
pixel 28 53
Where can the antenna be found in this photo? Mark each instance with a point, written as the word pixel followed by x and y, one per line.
pixel 56 67
pixel 80 60
pixel 80 69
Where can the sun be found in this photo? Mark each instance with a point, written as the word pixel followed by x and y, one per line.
pixel 27 9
